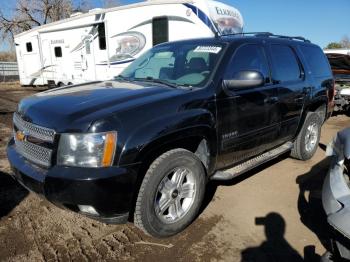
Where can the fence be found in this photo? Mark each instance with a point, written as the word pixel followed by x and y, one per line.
pixel 8 71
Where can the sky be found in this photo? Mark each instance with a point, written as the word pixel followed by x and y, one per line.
pixel 321 21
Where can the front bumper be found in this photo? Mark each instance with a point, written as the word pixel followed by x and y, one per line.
pixel 336 199
pixel 109 190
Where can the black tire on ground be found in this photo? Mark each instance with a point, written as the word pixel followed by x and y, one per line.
pixel 161 174
pixel 300 149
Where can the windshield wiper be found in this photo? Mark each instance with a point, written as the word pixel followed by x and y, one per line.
pixel 156 80
pixel 120 77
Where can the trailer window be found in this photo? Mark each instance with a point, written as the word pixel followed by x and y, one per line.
pixel 58 51
pixel 101 36
pixel 29 47
pixel 160 30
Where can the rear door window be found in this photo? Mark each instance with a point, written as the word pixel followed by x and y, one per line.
pixel 285 63
pixel 316 61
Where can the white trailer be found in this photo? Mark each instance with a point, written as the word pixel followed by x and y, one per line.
pixel 99 44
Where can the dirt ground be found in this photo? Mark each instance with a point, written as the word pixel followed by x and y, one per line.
pixel 272 213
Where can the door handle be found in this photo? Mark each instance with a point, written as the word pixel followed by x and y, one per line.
pixel 271 100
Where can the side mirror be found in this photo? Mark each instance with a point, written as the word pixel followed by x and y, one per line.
pixel 245 79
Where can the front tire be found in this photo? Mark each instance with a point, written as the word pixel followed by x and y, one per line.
pixel 171 194
pixel 308 138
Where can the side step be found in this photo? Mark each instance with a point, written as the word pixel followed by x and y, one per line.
pixel 251 163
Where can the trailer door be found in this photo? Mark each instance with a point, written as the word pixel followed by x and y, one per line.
pixel 47 66
pixel 88 59
pixel 58 54
pixel 31 60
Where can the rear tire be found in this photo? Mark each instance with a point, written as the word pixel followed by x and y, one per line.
pixel 171 194
pixel 308 138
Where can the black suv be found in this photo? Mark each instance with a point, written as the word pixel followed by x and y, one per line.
pixel 144 145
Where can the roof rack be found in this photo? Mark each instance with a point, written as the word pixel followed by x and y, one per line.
pixel 268 34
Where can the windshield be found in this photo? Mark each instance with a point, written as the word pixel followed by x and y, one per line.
pixel 178 64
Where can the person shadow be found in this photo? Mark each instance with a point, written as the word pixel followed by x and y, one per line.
pixel 11 194
pixel 275 247
pixel 309 201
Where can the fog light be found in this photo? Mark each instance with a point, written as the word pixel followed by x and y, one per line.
pixel 88 209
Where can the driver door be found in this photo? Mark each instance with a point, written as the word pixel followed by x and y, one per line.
pixel 248 118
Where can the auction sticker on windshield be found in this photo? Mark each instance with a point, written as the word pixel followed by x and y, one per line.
pixel 207 49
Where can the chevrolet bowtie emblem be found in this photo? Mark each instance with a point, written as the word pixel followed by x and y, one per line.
pixel 20 136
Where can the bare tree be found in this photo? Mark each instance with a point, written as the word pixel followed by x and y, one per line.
pixel 345 42
pixel 31 13
pixel 111 3
pixel 83 6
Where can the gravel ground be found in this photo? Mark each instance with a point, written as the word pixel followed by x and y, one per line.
pixel 272 213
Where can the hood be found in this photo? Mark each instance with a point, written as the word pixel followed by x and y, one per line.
pixel 74 108
pixel 340 64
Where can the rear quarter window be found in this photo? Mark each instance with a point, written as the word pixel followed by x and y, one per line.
pixel 316 60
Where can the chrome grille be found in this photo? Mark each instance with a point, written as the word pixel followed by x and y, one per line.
pixel 42 133
pixel 34 153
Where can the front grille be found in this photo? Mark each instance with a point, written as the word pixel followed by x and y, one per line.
pixel 42 133
pixel 34 152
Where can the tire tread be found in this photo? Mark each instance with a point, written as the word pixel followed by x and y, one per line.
pixel 137 215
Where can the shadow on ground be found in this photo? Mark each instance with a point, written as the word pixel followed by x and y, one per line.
pixel 310 202
pixel 11 194
pixel 275 247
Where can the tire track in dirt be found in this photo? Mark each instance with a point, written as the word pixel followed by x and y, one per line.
pixel 7 106
pixel 59 235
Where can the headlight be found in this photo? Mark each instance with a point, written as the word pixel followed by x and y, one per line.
pixel 128 45
pixel 87 150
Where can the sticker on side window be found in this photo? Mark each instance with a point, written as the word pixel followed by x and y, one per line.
pixel 207 49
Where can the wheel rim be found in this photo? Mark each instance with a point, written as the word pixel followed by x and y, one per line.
pixel 175 195
pixel 311 137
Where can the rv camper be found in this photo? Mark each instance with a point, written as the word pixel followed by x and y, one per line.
pixel 99 44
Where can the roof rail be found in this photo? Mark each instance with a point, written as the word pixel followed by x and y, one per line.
pixel 268 34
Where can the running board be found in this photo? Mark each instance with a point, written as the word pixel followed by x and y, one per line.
pixel 251 163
